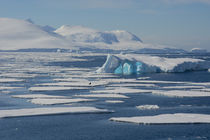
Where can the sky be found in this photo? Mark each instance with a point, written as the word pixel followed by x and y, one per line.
pixel 176 23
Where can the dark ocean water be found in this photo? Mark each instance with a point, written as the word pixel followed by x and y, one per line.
pixel 97 126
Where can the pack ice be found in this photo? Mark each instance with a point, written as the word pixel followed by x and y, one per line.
pixel 135 64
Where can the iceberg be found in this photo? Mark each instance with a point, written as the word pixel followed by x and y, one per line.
pixel 137 64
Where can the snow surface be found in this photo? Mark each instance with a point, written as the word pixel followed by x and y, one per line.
pixel 49 111
pixel 178 118
pixel 136 64
pixel 107 95
pixel 51 101
pixel 147 107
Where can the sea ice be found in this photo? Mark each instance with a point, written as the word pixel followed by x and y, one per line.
pixel 34 96
pixel 6 80
pixel 5 88
pixel 49 111
pixel 121 90
pixel 180 118
pixel 114 101
pixel 108 95
pixel 58 101
pixel 182 93
pixel 183 87
pixel 50 88
pixel 147 107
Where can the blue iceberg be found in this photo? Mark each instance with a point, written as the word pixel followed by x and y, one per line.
pixel 137 64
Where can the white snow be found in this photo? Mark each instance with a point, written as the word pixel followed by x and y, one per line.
pixel 198 50
pixel 178 118
pixel 51 101
pixel 147 107
pixel 49 111
pixel 182 93
pixel 114 101
pixel 108 95
pixel 132 64
pixel 51 88
pixel 34 96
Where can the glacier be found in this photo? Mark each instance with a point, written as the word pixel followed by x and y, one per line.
pixel 128 64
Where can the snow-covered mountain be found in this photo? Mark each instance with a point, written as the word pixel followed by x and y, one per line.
pixel 22 34
pixel 18 34
pixel 83 34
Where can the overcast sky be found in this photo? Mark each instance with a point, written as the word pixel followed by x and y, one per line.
pixel 178 23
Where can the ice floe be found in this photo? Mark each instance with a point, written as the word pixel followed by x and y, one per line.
pixel 178 118
pixel 49 111
pixel 147 107
pixel 6 80
pixel 34 96
pixel 79 84
pixel 182 93
pixel 58 101
pixel 6 88
pixel 114 101
pixel 131 85
pixel 183 87
pixel 122 90
pixel 108 95
pixel 51 88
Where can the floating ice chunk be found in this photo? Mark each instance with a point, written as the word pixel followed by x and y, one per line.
pixel 183 87
pixel 71 79
pixel 18 75
pixel 161 82
pixel 136 64
pixel 180 118
pixel 49 111
pixel 58 101
pixel 6 80
pixel 147 107
pixel 131 85
pixel 108 95
pixel 50 88
pixel 34 96
pixel 114 101
pixel 78 84
pixel 182 93
pixel 121 90
pixel 5 88
pixel 205 89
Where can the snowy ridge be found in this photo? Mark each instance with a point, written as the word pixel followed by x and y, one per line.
pixel 26 35
pixel 136 64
